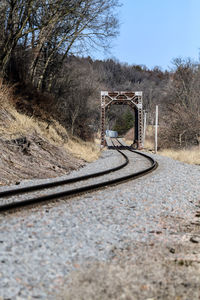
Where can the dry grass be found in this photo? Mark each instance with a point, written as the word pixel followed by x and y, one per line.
pixel 14 125
pixel 190 156
pixel 84 150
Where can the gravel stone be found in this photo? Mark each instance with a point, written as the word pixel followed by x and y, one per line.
pixel 40 246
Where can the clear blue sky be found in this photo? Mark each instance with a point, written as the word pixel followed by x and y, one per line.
pixel 153 32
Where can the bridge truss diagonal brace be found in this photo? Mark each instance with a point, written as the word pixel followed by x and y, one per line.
pixel 133 99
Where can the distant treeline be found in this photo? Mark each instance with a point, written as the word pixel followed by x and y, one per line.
pixel 40 47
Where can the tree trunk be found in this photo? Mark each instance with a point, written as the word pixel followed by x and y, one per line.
pixel 44 73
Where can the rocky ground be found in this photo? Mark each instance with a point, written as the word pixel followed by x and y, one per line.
pixel 137 240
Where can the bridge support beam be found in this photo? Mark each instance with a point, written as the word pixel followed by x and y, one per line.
pixel 133 99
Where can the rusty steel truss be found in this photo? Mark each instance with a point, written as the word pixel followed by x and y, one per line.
pixel 134 100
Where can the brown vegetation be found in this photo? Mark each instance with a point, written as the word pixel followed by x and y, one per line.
pixel 189 155
pixel 32 148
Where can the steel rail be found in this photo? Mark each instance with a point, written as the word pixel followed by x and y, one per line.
pixel 83 189
pixel 40 186
pixel 153 162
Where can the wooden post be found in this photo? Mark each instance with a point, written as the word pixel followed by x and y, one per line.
pixel 145 125
pixel 156 130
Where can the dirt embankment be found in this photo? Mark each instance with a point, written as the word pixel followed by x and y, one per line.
pixel 33 157
pixel 34 148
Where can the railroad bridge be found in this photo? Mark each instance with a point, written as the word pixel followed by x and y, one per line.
pixel 134 100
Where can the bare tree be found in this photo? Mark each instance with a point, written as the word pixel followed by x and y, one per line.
pixel 15 18
pixel 91 24
pixel 52 29
pixel 182 118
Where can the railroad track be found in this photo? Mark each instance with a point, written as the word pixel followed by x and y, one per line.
pixel 22 196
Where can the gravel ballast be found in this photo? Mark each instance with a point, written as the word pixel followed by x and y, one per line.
pixel 39 247
pixel 136 163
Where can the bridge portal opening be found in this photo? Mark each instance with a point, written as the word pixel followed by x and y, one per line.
pixel 134 100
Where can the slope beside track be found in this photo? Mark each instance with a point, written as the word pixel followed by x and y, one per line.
pixel 12 198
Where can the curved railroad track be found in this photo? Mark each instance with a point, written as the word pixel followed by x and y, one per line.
pixel 23 196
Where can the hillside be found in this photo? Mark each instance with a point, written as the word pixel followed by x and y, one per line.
pixel 32 148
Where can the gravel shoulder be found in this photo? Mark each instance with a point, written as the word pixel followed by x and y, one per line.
pixel 137 240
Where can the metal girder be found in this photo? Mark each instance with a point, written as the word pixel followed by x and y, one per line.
pixel 133 99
